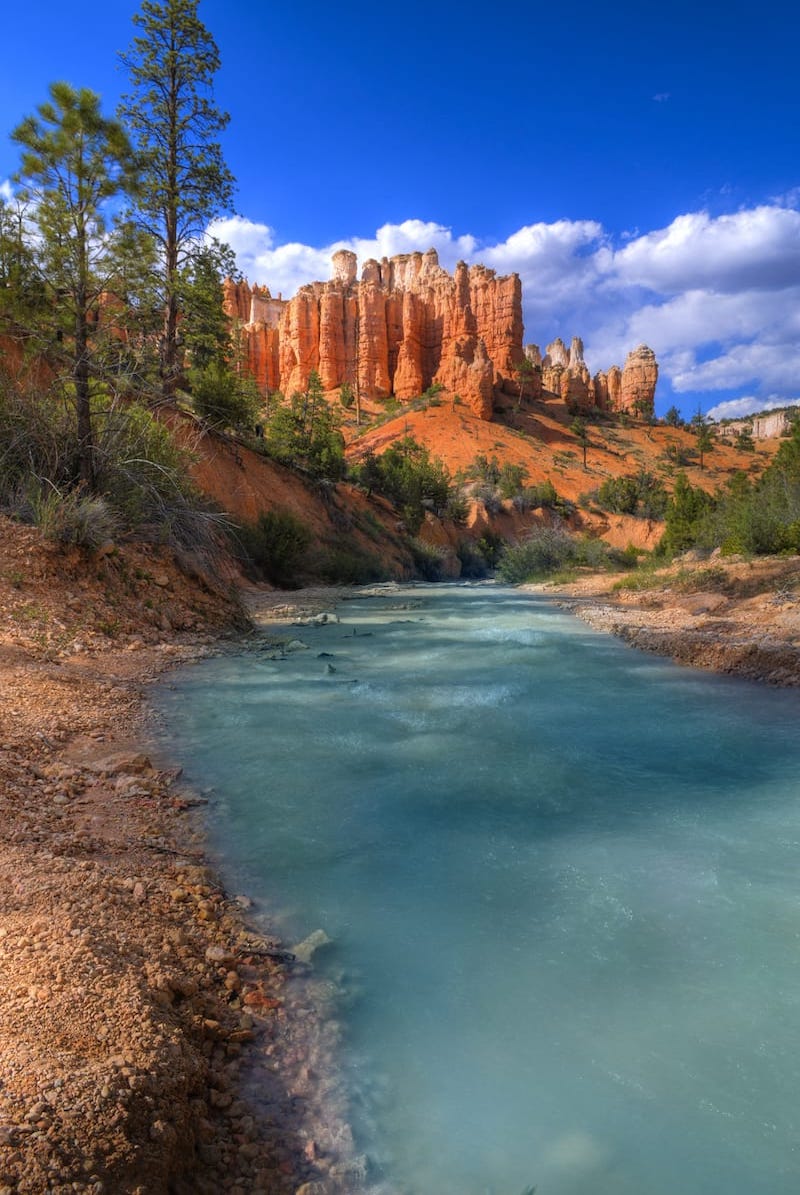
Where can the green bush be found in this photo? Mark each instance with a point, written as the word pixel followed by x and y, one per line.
pixel 38 440
pixel 549 550
pixel 275 546
pixel 544 494
pixel 537 497
pixel 350 566
pixel 545 551
pixel 457 508
pixel 626 557
pixel 488 494
pixel 484 469
pixel 619 494
pixel 141 474
pixel 428 560
pixel 304 432
pixel 410 478
pixel 511 480
pixel 687 507
pixel 473 562
pixel 641 494
pixel 491 545
pixel 224 398
pixel 758 516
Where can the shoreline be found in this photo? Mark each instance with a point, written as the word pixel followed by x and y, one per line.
pixel 154 1035
pixel 732 616
pixel 151 1032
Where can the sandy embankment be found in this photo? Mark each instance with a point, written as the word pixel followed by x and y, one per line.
pixel 151 1039
pixel 729 615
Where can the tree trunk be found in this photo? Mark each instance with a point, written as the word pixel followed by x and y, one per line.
pixel 170 365
pixel 80 375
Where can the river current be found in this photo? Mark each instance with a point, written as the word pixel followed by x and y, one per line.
pixel 561 879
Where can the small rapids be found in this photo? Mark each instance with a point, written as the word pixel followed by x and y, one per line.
pixel 561 880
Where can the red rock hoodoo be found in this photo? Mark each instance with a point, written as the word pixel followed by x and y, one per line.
pixel 564 374
pixel 407 324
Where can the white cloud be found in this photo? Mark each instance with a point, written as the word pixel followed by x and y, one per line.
pixel 756 248
pixel 561 265
pixel 789 198
pixel 413 235
pixel 6 190
pixel 742 365
pixel 284 268
pixel 691 322
pixel 737 408
pixel 717 298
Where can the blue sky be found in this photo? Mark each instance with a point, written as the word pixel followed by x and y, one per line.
pixel 637 165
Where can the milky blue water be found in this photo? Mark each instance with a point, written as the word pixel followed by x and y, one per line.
pixel 562 880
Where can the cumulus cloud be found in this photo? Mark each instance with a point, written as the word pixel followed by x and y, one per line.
pixel 757 248
pixel 6 190
pixel 699 323
pixel 737 408
pixel 561 265
pixel 286 267
pixel 717 298
pixel 741 365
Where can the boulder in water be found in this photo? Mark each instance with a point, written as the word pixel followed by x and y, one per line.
pixel 304 951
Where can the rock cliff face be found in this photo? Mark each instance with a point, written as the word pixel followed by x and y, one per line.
pixel 407 324
pixel 639 377
pixel 766 426
pixel 564 373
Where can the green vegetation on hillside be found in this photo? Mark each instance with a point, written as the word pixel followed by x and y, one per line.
pixel 412 479
pixel 304 431
pixel 552 550
pixel 745 516
pixel 141 478
pixel 640 494
pixel 109 291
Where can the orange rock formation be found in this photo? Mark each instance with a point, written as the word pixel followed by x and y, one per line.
pixel 407 324
pixel 564 373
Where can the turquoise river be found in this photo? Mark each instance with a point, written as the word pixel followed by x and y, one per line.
pixel 562 878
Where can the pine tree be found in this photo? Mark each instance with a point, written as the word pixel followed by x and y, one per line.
pixel 75 165
pixel 580 431
pixel 705 436
pixel 176 126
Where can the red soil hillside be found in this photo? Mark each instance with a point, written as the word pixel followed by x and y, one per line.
pixel 244 484
pixel 539 438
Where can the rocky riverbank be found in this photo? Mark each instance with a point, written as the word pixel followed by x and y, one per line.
pixel 729 615
pixel 153 1036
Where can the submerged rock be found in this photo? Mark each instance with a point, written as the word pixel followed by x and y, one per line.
pixel 304 951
